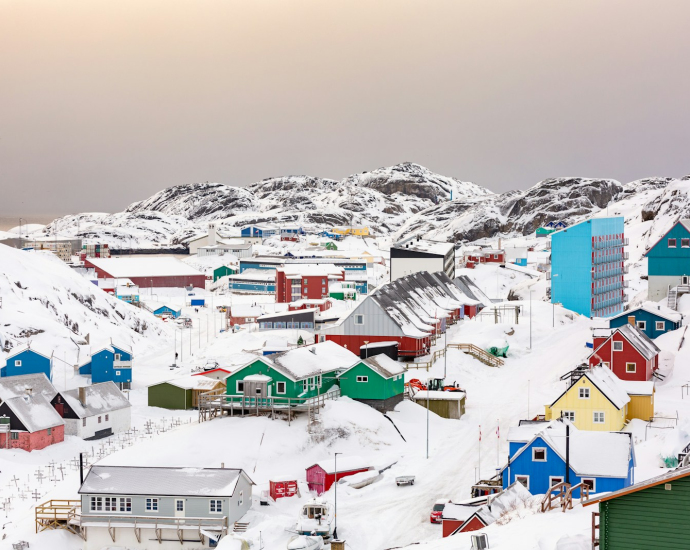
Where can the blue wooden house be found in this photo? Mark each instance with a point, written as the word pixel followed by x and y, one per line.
pixel 602 460
pixel 668 261
pixel 110 363
pixel 651 318
pixel 161 310
pixel 25 360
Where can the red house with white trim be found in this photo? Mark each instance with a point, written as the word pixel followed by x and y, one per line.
pixel 627 351
pixel 322 475
pixel 461 518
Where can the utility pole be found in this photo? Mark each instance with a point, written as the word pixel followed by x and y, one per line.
pixel 335 515
pixel 427 419
pixel 530 319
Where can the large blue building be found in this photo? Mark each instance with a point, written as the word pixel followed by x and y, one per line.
pixel 538 454
pixel 110 363
pixel 24 360
pixel 588 267
pixel 261 231
pixel 652 319
pixel 668 261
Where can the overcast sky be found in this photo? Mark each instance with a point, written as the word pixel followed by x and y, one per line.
pixel 105 102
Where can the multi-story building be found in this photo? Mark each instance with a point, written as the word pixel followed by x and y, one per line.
pixel 305 281
pixel 415 254
pixel 588 267
pixel 669 261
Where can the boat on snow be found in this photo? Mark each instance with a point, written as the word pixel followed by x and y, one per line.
pixel 315 519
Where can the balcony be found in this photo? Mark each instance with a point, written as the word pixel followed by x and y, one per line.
pixel 122 364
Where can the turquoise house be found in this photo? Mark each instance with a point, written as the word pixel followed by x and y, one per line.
pixel 25 360
pixel 587 267
pixel 668 261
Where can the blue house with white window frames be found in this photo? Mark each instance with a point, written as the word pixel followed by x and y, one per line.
pixel 651 318
pixel 668 261
pixel 603 460
pixel 27 360
pixel 110 363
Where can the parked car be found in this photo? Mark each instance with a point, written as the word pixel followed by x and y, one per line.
pixel 436 515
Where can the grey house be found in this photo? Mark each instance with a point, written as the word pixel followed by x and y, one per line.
pixel 163 508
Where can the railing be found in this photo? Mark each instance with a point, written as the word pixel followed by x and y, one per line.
pixel 557 491
pixel 122 364
pixel 478 353
pixel 567 502
pixel 56 514
pixel 427 364
pixel 595 529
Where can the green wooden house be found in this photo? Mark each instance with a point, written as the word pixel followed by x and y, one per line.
pixel 378 381
pixel 651 514
pixel 223 271
pixel 182 393
pixel 331 246
pixel 299 373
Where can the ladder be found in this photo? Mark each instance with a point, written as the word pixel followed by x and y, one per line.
pixel 672 301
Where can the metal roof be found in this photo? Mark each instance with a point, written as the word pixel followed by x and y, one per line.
pixel 100 398
pixel 35 412
pixel 16 386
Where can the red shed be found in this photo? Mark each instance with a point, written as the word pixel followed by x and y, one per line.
pixel 461 518
pixel 627 351
pixel 281 489
pixel 322 475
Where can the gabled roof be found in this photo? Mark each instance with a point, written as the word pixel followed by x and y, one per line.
pixel 100 399
pixel 380 364
pixel 27 347
pixel 345 464
pixel 639 340
pixel 34 411
pixel 193 382
pixel 655 309
pixel 684 223
pixel 154 306
pixel 610 386
pixel 139 480
pixel 16 386
pixel 679 473
pixel 306 361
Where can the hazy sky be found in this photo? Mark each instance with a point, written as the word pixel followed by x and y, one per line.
pixel 105 102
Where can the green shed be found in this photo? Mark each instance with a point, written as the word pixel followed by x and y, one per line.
pixel 651 514
pixel 378 381
pixel 182 393
pixel 223 271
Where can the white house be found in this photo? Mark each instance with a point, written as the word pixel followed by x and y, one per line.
pixel 94 412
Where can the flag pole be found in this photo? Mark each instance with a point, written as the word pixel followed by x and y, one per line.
pixel 498 443
pixel 479 447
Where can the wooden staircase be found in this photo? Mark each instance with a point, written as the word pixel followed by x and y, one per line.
pixel 563 493
pixel 479 354
pixel 240 527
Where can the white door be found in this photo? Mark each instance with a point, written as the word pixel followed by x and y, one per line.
pixel 179 507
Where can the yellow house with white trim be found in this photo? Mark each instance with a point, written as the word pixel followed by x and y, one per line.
pixel 356 231
pixel 600 401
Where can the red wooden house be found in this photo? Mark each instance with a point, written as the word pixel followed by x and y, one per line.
pixel 485 256
pixel 462 519
pixel 322 475
pixel 283 489
pixel 627 351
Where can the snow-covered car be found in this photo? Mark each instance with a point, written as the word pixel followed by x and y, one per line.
pixel 404 480
pixel 437 511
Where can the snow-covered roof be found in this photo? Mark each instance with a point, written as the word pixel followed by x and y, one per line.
pixel 296 271
pixel 266 275
pixel 439 395
pixel 16 386
pixel 192 382
pixel 306 361
pixel 345 464
pixel 459 512
pixel 653 308
pixel 383 365
pixel 35 412
pixel 257 378
pixel 526 430
pixel 604 454
pixel 28 347
pixel 608 384
pixel 640 340
pixel 153 305
pixel 245 310
pixel 225 245
pixel 287 314
pixel 635 387
pixel 127 290
pixel 372 345
pixel 678 473
pixel 158 266
pixel 100 398
pixel 420 245
pixel 138 480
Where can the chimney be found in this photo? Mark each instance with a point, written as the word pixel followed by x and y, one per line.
pixel 631 320
pixel 82 396
pixel 222 465
pixel 29 391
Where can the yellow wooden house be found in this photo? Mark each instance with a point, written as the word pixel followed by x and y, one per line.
pixel 600 401
pixel 357 231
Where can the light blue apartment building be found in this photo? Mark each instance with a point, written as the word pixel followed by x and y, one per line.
pixel 587 267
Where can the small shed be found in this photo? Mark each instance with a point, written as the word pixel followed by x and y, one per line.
pixel 446 404
pixel 223 271
pixel 182 393
pixel 375 348
pixel 286 487
pixel 322 475
pixel 378 381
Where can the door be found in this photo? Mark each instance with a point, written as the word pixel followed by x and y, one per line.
pixel 684 280
pixel 179 507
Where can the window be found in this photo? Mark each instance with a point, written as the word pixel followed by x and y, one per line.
pixel 642 325
pixel 584 393
pixel 240 501
pixel 569 415
pixel 523 479
pixel 50 431
pixel 179 505
pixel 362 379
pixel 107 417
pixel 660 325
pixel 590 482
pixel 359 319
pixel 555 480
pixel 125 504
pixel 152 505
pixel 495 256
pixel 239 386
pixel 83 422
pixel 110 504
pixel 618 346
pixel 14 435
pixel 539 454
pixel 305 385
pixel 99 419
pixel 318 381
pixel 685 243
pixel 280 388
pixel 117 357
pixel 216 506
pixel 630 367
pixel 307 325
pixel 96 504
pixel 18 363
pixel 117 373
pixel 672 243
pixel 598 417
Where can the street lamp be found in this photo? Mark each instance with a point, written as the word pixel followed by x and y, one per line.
pixel 335 515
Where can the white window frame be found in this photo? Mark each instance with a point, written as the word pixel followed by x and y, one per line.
pixel 117 357
pixel 363 379
pixel 240 500
pixel 17 362
pixel 177 501
pixel 675 242
pixel 318 381
pixel 239 389
pixel 552 478
pixel 534 449
pixel 151 504
pixel 642 325
pixel 495 256
pixel 594 483
pixel 359 319
pixel 685 245
pixel 660 325
pixel 599 414
pixel 633 371
pixel 526 478
pixel 584 393
pixel 215 506
pixel 619 343
pixel 280 385
pixel 96 504
pixel 569 415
